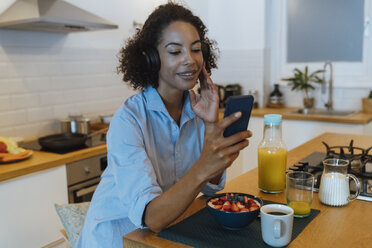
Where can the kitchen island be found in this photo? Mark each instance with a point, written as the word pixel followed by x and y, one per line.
pixel 347 226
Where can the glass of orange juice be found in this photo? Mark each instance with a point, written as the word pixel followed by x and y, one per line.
pixel 299 192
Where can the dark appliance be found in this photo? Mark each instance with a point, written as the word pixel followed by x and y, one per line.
pixel 83 177
pixel 221 95
pixel 232 90
pixel 360 165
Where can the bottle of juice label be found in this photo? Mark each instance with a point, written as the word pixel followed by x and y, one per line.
pixel 272 157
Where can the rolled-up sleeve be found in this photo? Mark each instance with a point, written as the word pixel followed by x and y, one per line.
pixel 211 189
pixel 135 178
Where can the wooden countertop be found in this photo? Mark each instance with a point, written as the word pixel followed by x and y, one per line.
pixel 44 160
pixel 347 226
pixel 356 118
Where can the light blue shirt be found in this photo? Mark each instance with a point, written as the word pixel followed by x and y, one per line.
pixel 147 154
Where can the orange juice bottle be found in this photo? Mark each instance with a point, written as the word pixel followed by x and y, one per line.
pixel 272 156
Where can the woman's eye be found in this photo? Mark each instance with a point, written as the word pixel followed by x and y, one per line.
pixel 174 52
pixel 196 50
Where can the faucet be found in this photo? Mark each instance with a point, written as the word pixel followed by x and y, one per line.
pixel 329 104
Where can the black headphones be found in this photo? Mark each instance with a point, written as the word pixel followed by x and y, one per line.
pixel 152 59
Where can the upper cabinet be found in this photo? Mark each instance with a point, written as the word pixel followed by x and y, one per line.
pixel 312 32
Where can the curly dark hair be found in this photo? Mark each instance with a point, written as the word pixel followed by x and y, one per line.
pixel 132 63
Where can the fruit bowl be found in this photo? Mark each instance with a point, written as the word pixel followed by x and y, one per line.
pixel 234 211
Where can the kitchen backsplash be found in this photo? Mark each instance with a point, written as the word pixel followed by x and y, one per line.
pixel 343 98
pixel 41 85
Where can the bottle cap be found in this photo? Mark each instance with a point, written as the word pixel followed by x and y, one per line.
pixel 272 119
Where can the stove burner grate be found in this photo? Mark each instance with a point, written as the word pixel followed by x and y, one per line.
pixel 358 158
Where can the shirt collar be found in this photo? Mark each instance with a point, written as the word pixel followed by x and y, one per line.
pixel 155 103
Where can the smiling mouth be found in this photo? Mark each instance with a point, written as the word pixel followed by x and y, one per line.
pixel 189 75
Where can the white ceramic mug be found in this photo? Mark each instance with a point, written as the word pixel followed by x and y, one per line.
pixel 276 224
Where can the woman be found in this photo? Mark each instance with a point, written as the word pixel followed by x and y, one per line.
pixel 165 145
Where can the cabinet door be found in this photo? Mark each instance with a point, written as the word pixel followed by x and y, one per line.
pixel 247 159
pixel 27 213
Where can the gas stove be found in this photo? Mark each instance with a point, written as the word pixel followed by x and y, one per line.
pixel 360 165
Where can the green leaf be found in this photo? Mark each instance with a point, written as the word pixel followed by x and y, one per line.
pixel 302 80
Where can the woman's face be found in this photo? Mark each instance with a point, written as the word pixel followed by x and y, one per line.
pixel 181 57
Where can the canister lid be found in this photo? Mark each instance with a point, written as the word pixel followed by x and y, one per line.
pixel 272 119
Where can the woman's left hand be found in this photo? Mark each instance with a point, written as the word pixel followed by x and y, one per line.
pixel 207 106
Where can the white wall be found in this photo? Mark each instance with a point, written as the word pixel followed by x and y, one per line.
pixel 238 27
pixel 46 76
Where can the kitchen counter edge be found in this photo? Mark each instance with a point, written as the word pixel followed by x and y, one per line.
pixel 356 118
pixel 40 161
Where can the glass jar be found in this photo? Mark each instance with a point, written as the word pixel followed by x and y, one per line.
pixel 272 156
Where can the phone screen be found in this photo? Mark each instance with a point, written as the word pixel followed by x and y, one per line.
pixel 241 104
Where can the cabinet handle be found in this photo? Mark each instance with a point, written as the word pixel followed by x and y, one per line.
pixel 86 169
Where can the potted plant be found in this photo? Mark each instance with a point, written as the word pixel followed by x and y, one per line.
pixel 302 81
pixel 367 103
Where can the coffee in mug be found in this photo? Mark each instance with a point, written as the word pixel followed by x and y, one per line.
pixel 277 213
pixel 276 224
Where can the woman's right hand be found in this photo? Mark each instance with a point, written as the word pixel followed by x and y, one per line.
pixel 218 151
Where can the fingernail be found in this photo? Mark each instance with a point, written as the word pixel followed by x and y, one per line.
pixel 238 114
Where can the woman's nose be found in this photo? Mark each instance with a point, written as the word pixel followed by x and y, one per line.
pixel 189 57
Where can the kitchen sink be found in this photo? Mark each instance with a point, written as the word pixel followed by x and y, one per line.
pixel 321 112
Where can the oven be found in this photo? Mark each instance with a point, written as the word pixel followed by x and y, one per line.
pixel 83 177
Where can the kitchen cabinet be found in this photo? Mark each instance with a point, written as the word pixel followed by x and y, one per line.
pixel 27 213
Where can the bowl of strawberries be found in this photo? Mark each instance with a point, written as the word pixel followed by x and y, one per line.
pixel 234 211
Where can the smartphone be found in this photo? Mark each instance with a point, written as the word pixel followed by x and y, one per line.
pixel 241 104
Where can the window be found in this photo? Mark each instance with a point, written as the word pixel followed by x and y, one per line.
pixel 309 33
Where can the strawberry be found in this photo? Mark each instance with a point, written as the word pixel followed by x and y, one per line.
pixel 234 208
pixel 3 147
pixel 218 202
pixel 244 210
pixel 223 198
pixel 218 206
pixel 240 205
pixel 226 206
pixel 253 208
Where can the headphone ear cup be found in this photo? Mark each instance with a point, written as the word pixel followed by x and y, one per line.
pixel 152 59
pixel 206 51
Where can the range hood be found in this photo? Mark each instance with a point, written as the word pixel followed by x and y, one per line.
pixel 51 16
